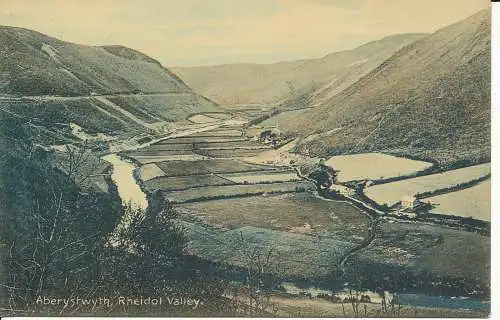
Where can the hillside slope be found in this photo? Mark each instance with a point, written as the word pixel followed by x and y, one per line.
pixel 102 89
pixel 430 100
pixel 265 84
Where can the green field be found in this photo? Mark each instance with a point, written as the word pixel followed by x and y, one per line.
pixel 287 212
pixel 217 192
pixel 181 168
pixel 180 183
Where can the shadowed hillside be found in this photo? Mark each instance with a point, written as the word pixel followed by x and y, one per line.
pixel 430 100
pixel 111 89
pixel 240 84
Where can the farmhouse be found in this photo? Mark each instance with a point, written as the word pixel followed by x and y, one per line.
pixel 345 191
pixel 409 202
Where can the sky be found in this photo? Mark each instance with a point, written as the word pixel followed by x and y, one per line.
pixel 208 32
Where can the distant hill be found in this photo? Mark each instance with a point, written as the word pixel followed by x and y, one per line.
pixel 430 100
pixel 108 89
pixel 268 84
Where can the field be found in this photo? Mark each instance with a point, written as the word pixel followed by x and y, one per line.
pixel 229 153
pixel 297 255
pixel 287 212
pixel 218 192
pixel 391 193
pixel 180 183
pixel 201 118
pixel 374 166
pixel 419 250
pixel 181 168
pixel 144 159
pixel 168 147
pixel 221 133
pixel 149 171
pixel 262 177
pixel 471 202
pixel 194 139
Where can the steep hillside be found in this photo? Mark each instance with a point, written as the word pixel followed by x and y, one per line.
pixel 242 84
pixel 111 89
pixel 430 100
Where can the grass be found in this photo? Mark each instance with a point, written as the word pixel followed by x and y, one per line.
pixel 144 159
pixel 287 212
pixel 180 183
pixel 221 133
pixel 192 139
pixel 171 107
pixel 181 168
pixel 297 255
pixel 219 192
pixel 262 177
pixel 229 153
pixel 410 256
pixel 391 193
pixel 374 166
pixel 471 202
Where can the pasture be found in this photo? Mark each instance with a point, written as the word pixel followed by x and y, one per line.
pixel 228 191
pixel 181 183
pixel 293 254
pixel 262 177
pixel 391 193
pixel 374 166
pixel 471 202
pixel 181 168
pixel 285 212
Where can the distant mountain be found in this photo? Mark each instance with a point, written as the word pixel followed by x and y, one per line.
pixel 108 89
pixel 268 84
pixel 430 100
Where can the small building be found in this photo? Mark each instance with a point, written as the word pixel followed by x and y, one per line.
pixel 409 202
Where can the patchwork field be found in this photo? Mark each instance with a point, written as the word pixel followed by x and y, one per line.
pixel 472 202
pixel 374 166
pixel 391 193
pixel 295 212
pixel 262 177
pixel 181 168
pixel 180 183
pixel 218 192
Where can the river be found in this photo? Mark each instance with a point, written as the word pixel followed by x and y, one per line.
pixel 123 178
